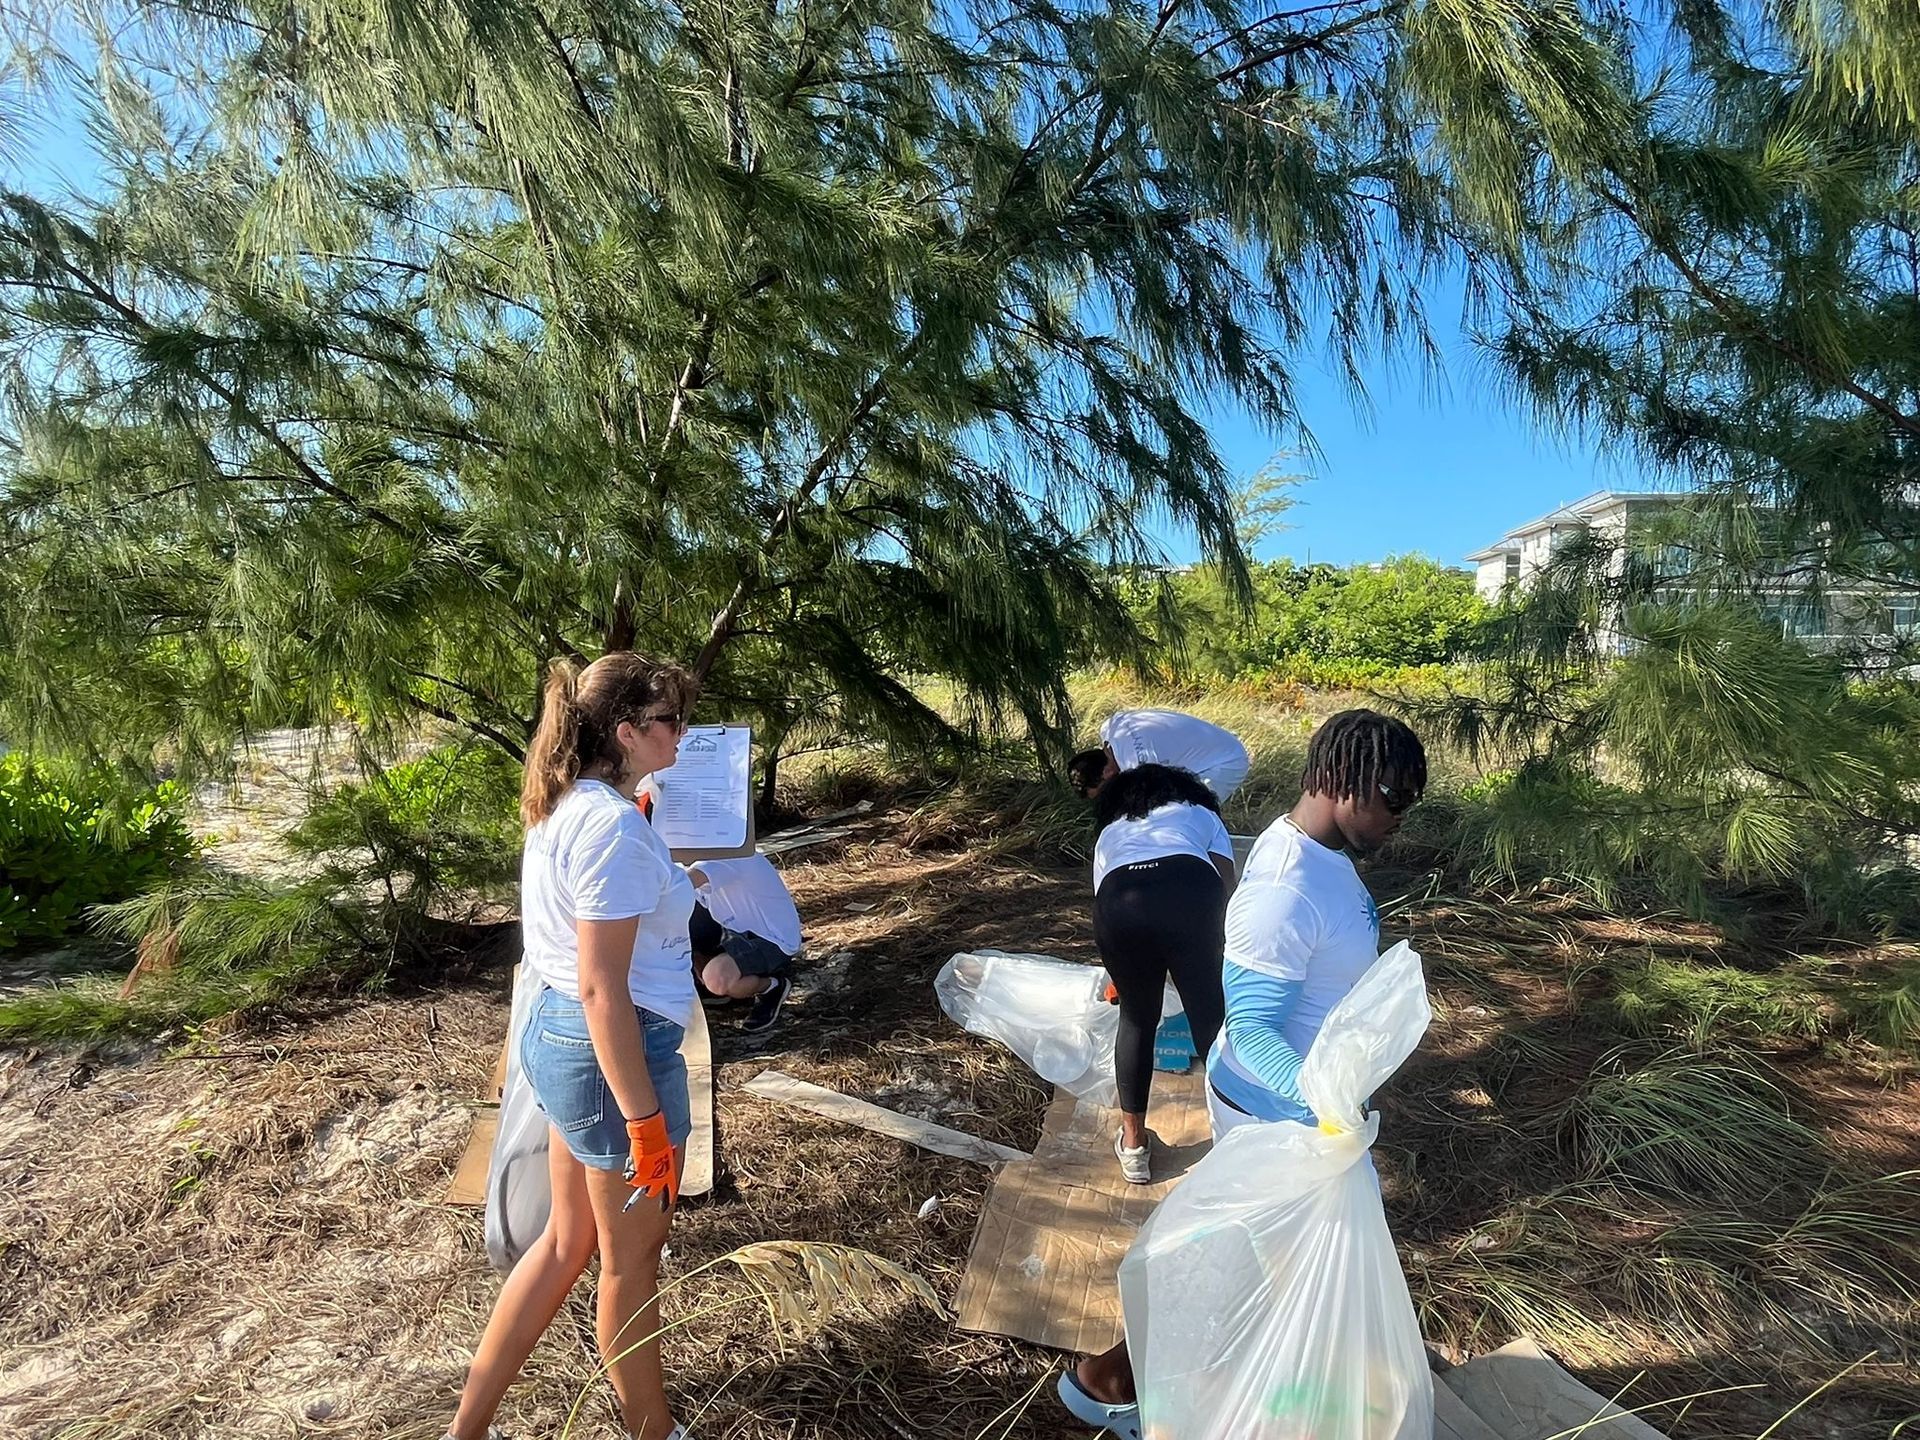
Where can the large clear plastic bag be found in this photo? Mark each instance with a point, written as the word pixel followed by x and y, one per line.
pixel 1263 1299
pixel 1051 1013
pixel 519 1192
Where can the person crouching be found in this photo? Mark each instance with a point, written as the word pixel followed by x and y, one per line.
pixel 745 933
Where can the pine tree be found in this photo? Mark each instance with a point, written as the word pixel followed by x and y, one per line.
pixel 1747 317
pixel 406 346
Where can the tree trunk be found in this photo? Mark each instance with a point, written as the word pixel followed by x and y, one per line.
pixel 769 777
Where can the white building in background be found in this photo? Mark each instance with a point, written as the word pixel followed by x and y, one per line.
pixel 1835 615
pixel 1519 555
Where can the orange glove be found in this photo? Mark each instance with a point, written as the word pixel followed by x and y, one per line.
pixel 1111 994
pixel 650 1168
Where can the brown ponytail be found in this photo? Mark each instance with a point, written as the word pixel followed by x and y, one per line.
pixel 580 711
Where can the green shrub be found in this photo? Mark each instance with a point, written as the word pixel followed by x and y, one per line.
pixel 70 840
pixel 442 826
pixel 1333 627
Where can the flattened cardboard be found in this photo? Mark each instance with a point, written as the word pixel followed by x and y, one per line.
pixel 1522 1394
pixel 1453 1420
pixel 696 1167
pixel 1054 1228
pixel 469 1183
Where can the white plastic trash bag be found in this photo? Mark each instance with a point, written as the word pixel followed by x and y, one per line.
pixel 519 1194
pixel 1263 1299
pixel 1051 1013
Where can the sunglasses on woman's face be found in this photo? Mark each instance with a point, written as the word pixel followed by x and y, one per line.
pixel 1398 799
pixel 666 717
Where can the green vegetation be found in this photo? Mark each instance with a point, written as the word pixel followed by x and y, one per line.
pixel 71 839
pixel 829 353
pixel 1650 1145
pixel 1743 320
pixel 1324 626
pixel 387 873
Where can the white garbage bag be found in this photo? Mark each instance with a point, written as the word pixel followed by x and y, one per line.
pixel 1051 1013
pixel 519 1194
pixel 1264 1298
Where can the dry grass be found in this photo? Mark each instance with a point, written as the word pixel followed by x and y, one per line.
pixel 243 1239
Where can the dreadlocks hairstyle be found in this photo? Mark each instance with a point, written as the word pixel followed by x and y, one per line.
pixel 1356 750
pixel 1133 793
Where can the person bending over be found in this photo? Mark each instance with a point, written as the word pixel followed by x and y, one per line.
pixel 745 933
pixel 1162 869
pixel 1133 738
pixel 1301 930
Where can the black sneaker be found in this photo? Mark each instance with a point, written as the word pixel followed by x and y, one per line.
pixel 766 1005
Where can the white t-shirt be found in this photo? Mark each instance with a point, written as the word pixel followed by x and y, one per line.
pixel 1175 828
pixel 748 896
pixel 1168 737
pixel 1301 913
pixel 596 858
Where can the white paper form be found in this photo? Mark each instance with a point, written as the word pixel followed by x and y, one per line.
pixel 702 803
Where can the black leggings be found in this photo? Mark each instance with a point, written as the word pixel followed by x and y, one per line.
pixel 1155 919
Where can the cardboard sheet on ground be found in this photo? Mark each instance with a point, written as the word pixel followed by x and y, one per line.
pixel 1055 1227
pixel 469 1183
pixel 1522 1394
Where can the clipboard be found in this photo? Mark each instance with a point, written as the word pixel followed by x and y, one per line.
pixel 716 795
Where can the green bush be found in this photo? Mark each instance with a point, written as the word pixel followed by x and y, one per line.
pixel 394 858
pixel 444 825
pixel 70 840
pixel 1341 627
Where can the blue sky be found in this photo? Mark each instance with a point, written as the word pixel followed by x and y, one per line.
pixel 1436 464
pixel 1440 465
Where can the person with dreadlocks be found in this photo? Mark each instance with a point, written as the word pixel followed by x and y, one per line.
pixel 1162 868
pixel 1300 932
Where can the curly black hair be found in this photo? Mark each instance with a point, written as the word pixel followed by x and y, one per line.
pixel 1085 769
pixel 1131 794
pixel 1355 750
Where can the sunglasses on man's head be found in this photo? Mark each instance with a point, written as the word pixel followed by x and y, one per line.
pixel 1398 799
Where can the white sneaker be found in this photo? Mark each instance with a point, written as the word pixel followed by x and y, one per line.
pixel 1134 1164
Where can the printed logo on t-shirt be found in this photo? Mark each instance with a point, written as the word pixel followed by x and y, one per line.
pixel 1373 915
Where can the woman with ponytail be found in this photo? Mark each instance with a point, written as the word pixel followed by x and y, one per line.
pixel 604 914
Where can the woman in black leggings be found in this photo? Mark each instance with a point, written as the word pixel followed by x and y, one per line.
pixel 1162 869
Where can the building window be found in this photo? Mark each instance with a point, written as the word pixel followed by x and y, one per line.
pixel 1513 567
pixel 1801 618
pixel 1905 613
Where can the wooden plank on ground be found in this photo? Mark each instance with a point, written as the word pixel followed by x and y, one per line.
pixel 696 1167
pixel 1522 1394
pixel 772 1085
pixel 1055 1228
pixel 469 1183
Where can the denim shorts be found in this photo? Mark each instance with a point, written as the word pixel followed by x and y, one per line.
pixel 557 1054
pixel 752 954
